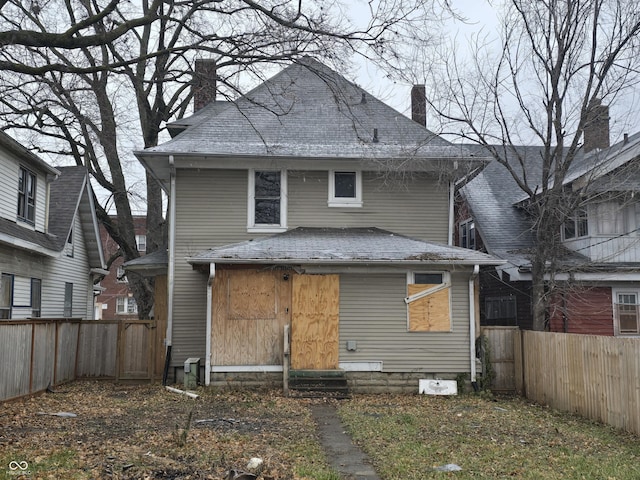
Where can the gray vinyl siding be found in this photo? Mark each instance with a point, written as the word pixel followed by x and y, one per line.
pixel 373 313
pixel 211 210
pixel 417 208
pixel 74 270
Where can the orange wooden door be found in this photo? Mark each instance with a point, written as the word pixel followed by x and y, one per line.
pixel 314 322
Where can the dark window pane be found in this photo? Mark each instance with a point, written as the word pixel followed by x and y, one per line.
pixel 267 184
pixel 428 278
pixel 68 300
pixel 345 184
pixel 36 297
pixel 267 212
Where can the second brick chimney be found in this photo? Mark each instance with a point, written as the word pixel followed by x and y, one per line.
pixel 596 127
pixel 419 105
pixel 204 83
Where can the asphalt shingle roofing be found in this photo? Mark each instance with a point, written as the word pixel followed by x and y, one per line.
pixel 341 245
pixel 306 110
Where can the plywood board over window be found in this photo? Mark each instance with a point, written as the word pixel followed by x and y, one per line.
pixel 430 312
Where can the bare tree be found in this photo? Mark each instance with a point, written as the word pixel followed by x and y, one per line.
pixel 559 59
pixel 94 101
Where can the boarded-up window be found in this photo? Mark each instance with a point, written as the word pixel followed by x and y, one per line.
pixel 252 297
pixel 428 304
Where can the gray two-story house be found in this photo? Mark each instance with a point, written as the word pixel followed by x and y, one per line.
pixel 309 205
pixel 50 253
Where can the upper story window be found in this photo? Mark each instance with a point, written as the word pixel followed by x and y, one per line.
pixel 141 242
pixel 68 300
pixel 267 204
pixel 576 226
pixel 500 308
pixel 26 195
pixel 467 232
pixel 626 313
pixel 345 189
pixel 69 246
pixel 121 277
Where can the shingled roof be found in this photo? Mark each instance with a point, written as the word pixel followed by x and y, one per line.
pixel 342 246
pixel 495 199
pixel 306 111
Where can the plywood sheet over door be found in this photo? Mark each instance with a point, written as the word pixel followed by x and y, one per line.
pixel 249 311
pixel 314 322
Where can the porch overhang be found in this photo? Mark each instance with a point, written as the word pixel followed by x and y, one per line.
pixel 344 248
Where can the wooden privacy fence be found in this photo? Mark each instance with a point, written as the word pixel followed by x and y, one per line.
pixel 591 375
pixel 594 376
pixel 38 353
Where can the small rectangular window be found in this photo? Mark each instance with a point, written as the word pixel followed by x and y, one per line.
pixel 627 313
pixel 126 306
pixel 576 226
pixel 500 308
pixel 467 233
pixel 26 195
pixel 36 297
pixel 141 242
pixel 69 246
pixel 6 295
pixel 68 300
pixel 345 189
pixel 120 275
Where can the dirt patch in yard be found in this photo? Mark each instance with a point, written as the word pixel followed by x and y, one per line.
pixel 146 432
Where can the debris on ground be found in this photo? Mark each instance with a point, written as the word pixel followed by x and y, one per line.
pixel 449 467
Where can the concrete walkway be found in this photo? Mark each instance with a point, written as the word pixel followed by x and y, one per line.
pixel 345 456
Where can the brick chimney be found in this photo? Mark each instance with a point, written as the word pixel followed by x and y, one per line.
pixel 203 85
pixel 419 105
pixel 596 127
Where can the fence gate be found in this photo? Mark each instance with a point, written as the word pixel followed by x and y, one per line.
pixel 502 356
pixel 136 350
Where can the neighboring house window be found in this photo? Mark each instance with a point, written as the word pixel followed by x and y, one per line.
pixel 499 308
pixel 126 306
pixel 69 245
pixel 26 196
pixel 428 302
pixel 120 275
pixel 36 297
pixel 345 189
pixel 626 313
pixel 467 233
pixel 576 225
pixel 6 295
pixel 267 206
pixel 68 300
pixel 141 242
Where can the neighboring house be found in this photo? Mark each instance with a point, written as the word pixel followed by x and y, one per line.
pixel 284 210
pixel 116 300
pixel 50 253
pixel 599 293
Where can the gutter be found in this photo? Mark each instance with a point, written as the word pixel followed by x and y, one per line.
pixel 171 267
pixel 207 359
pixel 451 213
pixel 472 324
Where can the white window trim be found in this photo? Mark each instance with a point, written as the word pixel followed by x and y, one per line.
pixel 614 303
pixel 138 243
pixel 125 303
pixel 251 204
pixel 341 201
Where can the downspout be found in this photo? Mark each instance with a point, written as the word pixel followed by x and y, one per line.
pixel 472 324
pixel 207 359
pixel 451 213
pixel 171 266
